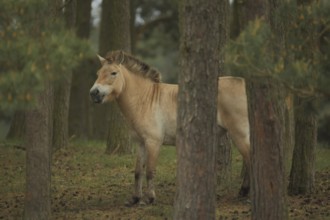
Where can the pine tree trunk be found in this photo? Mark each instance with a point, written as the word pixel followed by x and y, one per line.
pixel 61 113
pixel 62 92
pixel 303 161
pixel 266 118
pixel 38 142
pixel 17 126
pixel 289 127
pixel 267 126
pixel 239 20
pixel 115 35
pixel 224 159
pixel 224 148
pixel 196 142
pixel 82 78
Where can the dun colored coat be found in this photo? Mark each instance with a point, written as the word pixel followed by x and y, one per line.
pixel 150 108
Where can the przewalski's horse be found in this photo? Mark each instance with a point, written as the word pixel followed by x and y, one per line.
pixel 150 107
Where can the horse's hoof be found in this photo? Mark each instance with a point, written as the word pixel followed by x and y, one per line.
pixel 151 200
pixel 244 192
pixel 133 201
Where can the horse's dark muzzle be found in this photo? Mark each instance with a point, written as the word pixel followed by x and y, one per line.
pixel 96 96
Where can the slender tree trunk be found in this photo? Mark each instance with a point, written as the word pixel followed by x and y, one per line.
pixel 38 142
pixel 196 142
pixel 224 148
pixel 82 78
pixel 235 27
pixel 289 126
pixel 17 126
pixel 115 35
pixel 61 114
pixel 303 161
pixel 62 91
pixel 238 22
pixel 133 6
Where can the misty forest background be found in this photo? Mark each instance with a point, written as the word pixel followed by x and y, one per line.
pixel 48 64
pixel 154 39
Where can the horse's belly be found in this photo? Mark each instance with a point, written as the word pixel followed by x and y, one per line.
pixel 169 131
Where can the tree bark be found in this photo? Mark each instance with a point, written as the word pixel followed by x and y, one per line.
pixel 62 91
pixel 303 161
pixel 38 142
pixel 80 123
pixel 17 126
pixel 266 115
pixel 267 127
pixel 196 142
pixel 61 113
pixel 224 147
pixel 115 35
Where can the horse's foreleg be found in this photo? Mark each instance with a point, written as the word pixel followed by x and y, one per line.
pixel 138 175
pixel 152 156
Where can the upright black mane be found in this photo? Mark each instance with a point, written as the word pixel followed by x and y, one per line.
pixel 134 65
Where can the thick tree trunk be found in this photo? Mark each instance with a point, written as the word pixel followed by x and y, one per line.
pixel 196 142
pixel 266 117
pixel 303 161
pixel 115 35
pixel 38 142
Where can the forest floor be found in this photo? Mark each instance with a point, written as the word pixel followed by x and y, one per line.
pixel 88 184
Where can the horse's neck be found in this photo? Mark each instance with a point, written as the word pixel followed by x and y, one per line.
pixel 132 100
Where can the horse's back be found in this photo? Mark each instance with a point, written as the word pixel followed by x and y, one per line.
pixel 232 108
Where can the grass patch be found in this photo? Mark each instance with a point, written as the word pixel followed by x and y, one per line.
pixel 322 158
pixel 89 184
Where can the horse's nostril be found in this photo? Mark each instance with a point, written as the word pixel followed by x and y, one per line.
pixel 94 92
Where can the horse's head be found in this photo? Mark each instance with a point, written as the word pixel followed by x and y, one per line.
pixel 109 82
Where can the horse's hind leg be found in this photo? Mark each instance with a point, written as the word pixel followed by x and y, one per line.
pixel 245 188
pixel 152 148
pixel 243 144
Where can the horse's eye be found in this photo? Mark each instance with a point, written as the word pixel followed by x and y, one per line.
pixel 113 73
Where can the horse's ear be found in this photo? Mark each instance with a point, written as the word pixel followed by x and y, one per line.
pixel 102 60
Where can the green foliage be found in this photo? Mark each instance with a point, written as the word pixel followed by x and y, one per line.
pixel 302 63
pixel 35 46
pixel 249 55
pixel 157 35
